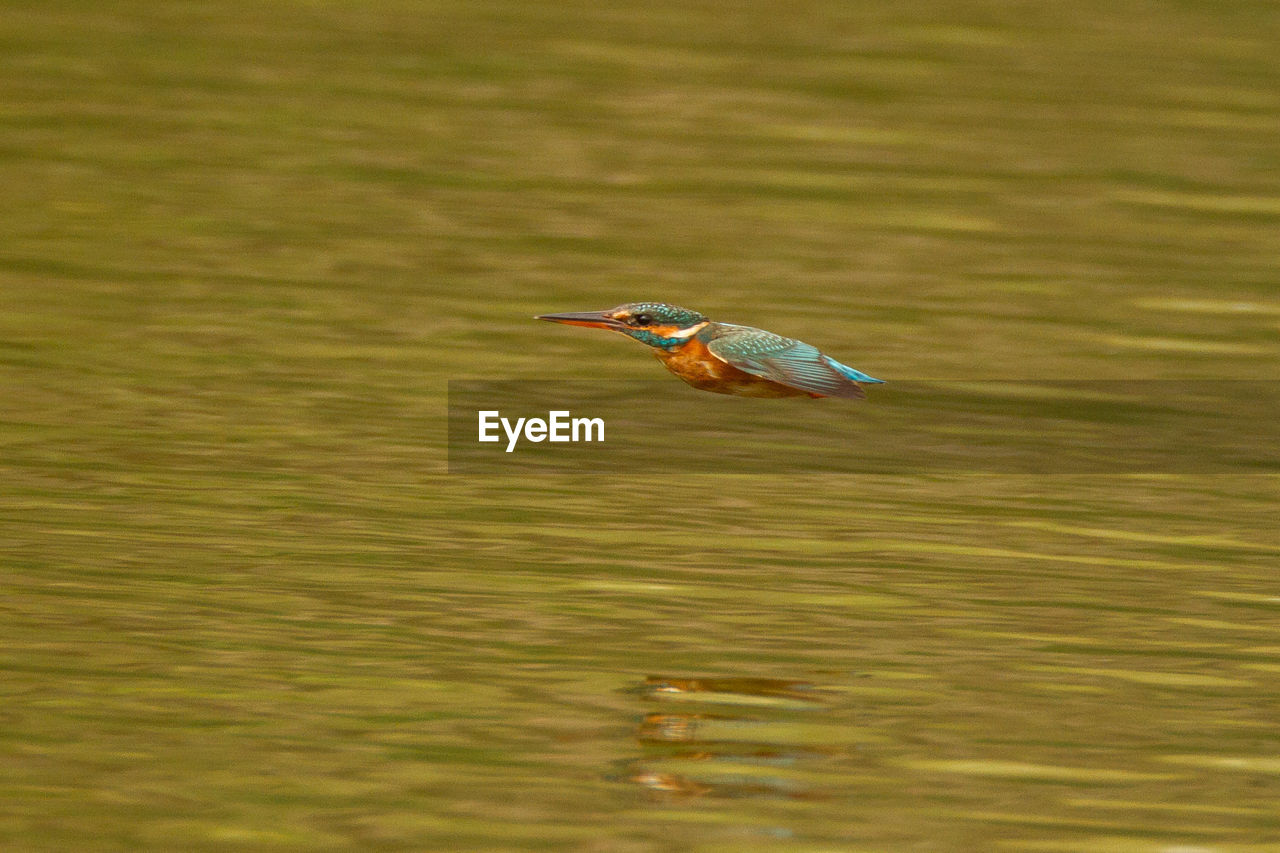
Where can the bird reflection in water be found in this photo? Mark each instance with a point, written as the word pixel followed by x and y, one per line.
pixel 749 745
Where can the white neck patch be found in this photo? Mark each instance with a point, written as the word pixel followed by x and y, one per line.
pixel 685 334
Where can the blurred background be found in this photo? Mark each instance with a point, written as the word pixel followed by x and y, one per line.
pixel 245 246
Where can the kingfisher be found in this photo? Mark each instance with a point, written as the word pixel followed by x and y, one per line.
pixel 724 357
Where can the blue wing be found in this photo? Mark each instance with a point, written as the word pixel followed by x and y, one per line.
pixel 789 362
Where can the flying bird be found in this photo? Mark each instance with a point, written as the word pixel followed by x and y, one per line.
pixel 723 357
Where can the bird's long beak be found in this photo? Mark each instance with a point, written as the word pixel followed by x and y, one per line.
pixel 590 319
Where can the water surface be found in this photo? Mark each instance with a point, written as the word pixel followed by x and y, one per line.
pixel 245 604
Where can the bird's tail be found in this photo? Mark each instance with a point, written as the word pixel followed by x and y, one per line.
pixel 849 373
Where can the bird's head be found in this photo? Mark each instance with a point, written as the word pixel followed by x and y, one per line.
pixel 654 323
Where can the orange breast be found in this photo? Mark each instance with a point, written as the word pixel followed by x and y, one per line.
pixel 695 364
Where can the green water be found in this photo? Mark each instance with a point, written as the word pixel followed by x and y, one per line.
pixel 244 247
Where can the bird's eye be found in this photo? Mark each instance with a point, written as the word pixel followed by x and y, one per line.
pixel 642 319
